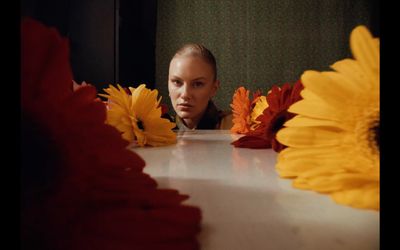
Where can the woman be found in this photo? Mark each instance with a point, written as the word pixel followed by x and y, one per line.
pixel 192 82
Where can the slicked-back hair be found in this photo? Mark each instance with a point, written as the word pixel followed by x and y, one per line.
pixel 198 50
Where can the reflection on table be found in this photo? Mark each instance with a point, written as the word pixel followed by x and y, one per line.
pixel 245 204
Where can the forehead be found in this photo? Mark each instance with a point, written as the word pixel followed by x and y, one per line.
pixel 190 67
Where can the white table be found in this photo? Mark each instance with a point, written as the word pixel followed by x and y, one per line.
pixel 246 205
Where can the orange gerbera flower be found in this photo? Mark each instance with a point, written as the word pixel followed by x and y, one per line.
pixel 81 188
pixel 273 118
pixel 241 109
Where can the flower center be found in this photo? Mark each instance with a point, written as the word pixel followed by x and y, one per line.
pixel 278 121
pixel 140 124
pixel 374 133
pixel 367 133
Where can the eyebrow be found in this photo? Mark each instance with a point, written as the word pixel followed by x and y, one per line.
pixel 196 79
pixel 199 78
pixel 175 77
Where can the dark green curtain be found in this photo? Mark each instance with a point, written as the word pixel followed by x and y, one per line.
pixel 258 43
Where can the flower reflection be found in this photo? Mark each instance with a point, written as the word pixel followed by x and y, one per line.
pixel 240 163
pixel 178 161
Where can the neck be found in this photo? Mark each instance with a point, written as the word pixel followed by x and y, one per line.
pixel 191 123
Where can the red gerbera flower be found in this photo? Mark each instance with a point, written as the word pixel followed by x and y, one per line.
pixel 80 187
pixel 273 118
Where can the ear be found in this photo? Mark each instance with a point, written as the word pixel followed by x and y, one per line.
pixel 215 88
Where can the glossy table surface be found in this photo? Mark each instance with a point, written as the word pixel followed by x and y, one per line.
pixel 246 205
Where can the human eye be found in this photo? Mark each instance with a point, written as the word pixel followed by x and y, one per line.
pixel 198 84
pixel 176 82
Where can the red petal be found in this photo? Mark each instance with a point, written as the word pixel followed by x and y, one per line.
pixel 252 142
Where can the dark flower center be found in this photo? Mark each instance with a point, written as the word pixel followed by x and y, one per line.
pixel 278 121
pixel 140 124
pixel 375 132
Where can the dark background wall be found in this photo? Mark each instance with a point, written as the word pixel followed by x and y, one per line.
pixel 258 43
pixel 112 41
pixel 137 42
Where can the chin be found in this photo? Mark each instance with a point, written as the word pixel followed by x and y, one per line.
pixel 185 115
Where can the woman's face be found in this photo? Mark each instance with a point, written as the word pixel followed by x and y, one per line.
pixel 191 85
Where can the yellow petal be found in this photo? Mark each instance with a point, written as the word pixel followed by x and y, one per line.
pixel 303 121
pixel 301 137
pixel 366 197
pixel 259 108
pixel 315 107
pixel 353 71
pixel 327 86
pixel 365 50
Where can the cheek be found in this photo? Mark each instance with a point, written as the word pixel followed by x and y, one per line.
pixel 203 97
pixel 173 94
pixel 207 94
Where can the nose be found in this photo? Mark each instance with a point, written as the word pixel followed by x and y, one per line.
pixel 185 92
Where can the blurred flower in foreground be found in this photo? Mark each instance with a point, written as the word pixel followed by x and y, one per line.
pixel 272 118
pixel 333 142
pixel 138 116
pixel 76 86
pixel 81 188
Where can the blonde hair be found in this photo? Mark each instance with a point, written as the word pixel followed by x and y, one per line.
pixel 195 49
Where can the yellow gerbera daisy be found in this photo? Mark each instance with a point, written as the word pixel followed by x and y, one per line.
pixel 138 116
pixel 258 109
pixel 333 142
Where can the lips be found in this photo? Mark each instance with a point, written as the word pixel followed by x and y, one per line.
pixel 184 106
